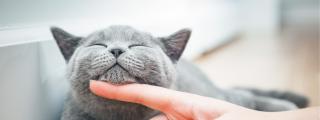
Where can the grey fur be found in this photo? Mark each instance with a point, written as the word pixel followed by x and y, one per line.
pixel 140 58
pixel 299 100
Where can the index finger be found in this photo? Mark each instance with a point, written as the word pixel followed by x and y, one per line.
pixel 152 96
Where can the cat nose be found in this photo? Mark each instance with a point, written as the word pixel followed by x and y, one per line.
pixel 116 52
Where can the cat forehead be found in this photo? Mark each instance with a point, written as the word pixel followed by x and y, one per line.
pixel 118 33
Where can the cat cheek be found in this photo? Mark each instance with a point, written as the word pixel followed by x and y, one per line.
pixel 85 53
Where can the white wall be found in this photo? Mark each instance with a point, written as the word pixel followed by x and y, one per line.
pixel 259 15
pixel 212 21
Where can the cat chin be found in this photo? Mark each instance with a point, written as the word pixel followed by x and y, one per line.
pixel 117 75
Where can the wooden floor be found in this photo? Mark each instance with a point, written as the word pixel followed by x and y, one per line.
pixel 289 61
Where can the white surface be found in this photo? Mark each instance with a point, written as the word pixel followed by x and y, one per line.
pixel 32 83
pixel 19 83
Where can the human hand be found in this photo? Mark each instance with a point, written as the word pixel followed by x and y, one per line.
pixel 177 105
pixel 173 104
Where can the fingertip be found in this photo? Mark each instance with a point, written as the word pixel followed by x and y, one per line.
pixel 98 87
pixel 92 85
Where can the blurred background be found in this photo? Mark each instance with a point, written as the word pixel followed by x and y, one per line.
pixel 265 44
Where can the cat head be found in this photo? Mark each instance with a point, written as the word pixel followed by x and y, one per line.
pixel 120 55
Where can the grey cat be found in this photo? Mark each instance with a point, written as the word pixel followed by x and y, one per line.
pixel 124 55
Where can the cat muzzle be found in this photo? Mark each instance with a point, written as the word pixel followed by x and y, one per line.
pixel 117 75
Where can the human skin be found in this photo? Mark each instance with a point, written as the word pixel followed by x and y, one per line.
pixel 177 105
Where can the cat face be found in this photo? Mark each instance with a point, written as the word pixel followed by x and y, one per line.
pixel 120 55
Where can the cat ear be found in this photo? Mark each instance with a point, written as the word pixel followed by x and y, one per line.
pixel 174 44
pixel 66 42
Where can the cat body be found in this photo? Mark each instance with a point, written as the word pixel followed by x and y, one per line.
pixel 124 55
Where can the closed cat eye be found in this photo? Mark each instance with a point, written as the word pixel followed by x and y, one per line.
pixel 136 45
pixel 99 44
